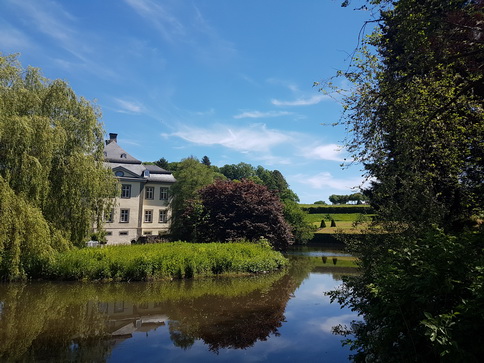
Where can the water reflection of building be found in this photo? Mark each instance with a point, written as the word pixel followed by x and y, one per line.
pixel 123 319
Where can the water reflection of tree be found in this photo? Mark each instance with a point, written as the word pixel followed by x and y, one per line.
pixel 237 322
pixel 64 322
pixel 32 326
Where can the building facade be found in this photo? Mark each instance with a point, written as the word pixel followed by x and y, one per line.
pixel 143 205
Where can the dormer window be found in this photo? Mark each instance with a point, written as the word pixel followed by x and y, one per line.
pixel 123 156
pixel 146 173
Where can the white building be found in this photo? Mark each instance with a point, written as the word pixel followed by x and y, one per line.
pixel 143 206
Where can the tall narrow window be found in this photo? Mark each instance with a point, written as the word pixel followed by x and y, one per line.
pixel 163 193
pixel 150 192
pixel 148 216
pixel 109 217
pixel 126 191
pixel 124 216
pixel 163 216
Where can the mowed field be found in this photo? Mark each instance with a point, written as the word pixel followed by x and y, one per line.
pixel 345 222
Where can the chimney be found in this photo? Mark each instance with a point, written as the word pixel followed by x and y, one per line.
pixel 112 137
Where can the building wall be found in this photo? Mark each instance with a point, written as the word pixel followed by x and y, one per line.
pixel 119 232
pixel 155 205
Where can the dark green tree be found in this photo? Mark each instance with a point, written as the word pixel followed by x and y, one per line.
pixel 162 163
pixel 417 125
pixel 206 161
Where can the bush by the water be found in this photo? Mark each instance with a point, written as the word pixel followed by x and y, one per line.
pixel 164 261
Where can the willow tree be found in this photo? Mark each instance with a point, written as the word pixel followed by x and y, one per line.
pixel 416 122
pixel 51 155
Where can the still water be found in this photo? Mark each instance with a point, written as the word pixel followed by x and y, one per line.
pixel 280 317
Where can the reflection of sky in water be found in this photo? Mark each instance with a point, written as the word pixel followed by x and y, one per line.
pixel 305 336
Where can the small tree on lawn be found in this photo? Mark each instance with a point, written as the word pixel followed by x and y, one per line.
pixel 242 210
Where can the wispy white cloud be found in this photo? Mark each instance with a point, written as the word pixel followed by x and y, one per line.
pixel 332 152
pixel 48 17
pixel 326 180
pixel 160 18
pixel 184 27
pixel 313 100
pixel 13 39
pixel 129 106
pixel 284 83
pixel 327 324
pixel 254 138
pixel 259 114
pixel 48 20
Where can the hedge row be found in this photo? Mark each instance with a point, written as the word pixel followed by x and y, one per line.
pixel 344 208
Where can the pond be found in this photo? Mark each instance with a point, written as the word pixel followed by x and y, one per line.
pixel 278 317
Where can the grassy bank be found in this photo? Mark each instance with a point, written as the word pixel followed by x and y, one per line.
pixel 163 261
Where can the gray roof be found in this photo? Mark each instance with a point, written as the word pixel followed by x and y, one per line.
pixel 114 153
pixel 155 169
pixel 116 157
pixel 164 178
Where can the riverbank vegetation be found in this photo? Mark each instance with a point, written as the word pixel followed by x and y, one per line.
pixel 162 261
pixel 416 123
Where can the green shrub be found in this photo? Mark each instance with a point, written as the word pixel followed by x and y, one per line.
pixel 163 261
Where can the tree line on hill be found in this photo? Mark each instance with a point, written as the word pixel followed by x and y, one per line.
pixel 233 202
pixel 357 198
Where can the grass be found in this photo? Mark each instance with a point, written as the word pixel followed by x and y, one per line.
pixel 337 261
pixel 163 261
pixel 344 222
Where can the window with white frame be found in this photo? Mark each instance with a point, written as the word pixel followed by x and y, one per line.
pixel 124 216
pixel 148 216
pixel 163 193
pixel 150 193
pixel 125 191
pixel 163 216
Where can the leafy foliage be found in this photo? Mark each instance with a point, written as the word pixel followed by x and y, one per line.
pixel 343 199
pixel 191 176
pixel 230 211
pixel 163 261
pixel 416 117
pixel 51 166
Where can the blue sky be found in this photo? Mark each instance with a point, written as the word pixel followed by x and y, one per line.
pixel 229 79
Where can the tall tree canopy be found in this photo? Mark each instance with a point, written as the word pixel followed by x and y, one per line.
pixel 51 165
pixel 416 117
pixel 275 181
pixel 191 176
pixel 232 210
